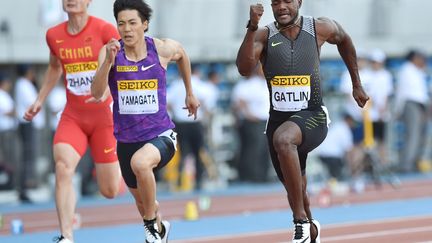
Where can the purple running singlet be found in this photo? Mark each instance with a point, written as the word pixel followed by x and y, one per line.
pixel 139 93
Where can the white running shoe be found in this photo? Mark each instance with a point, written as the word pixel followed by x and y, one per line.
pixel 301 231
pixel 61 239
pixel 318 226
pixel 152 232
pixel 166 229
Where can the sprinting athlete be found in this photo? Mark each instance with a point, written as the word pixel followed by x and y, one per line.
pixel 74 47
pixel 289 50
pixel 134 68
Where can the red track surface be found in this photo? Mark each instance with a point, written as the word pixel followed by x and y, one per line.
pixel 395 231
pixel 403 230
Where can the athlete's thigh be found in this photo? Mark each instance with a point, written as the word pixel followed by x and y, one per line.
pixel 67 155
pixel 158 151
pixel 125 151
pixel 148 154
pixel 313 126
pixel 102 141
pixel 69 132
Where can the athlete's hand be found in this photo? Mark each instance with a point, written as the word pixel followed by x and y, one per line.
pixel 112 47
pixel 192 105
pixel 360 96
pixel 101 99
pixel 255 13
pixel 93 100
pixel 32 111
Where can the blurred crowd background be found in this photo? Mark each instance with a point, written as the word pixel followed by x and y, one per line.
pixel 226 145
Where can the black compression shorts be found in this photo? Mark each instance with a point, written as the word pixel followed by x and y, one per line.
pixel 313 126
pixel 125 151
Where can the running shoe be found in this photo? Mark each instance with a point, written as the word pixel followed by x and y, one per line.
pixel 152 231
pixel 61 239
pixel 318 226
pixel 301 231
pixel 166 226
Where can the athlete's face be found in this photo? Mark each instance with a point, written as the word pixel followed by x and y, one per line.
pixel 130 26
pixel 285 12
pixel 75 6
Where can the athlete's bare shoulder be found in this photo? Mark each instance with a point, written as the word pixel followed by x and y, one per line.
pixel 328 30
pixel 168 50
pixel 167 47
pixel 325 25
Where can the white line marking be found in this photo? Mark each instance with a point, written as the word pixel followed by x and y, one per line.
pixel 336 238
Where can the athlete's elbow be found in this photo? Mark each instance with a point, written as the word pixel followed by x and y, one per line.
pixel 244 73
pixel 243 70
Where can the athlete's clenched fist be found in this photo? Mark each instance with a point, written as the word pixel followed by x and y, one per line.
pixel 112 47
pixel 256 11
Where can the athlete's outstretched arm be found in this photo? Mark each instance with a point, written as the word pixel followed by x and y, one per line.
pixel 99 86
pixel 171 50
pixel 330 31
pixel 51 77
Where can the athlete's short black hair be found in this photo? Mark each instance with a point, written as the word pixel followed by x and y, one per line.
pixel 142 7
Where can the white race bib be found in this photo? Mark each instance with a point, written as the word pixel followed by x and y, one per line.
pixel 290 93
pixel 138 96
pixel 79 77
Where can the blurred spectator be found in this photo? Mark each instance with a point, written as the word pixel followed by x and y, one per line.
pixel 25 94
pixel 357 154
pixel 411 103
pixel 190 132
pixel 350 105
pixel 379 90
pixel 251 104
pixel 212 106
pixel 8 145
pixel 334 151
pixel 213 80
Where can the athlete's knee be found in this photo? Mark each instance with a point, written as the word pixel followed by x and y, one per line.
pixel 140 166
pixel 109 191
pixel 284 142
pixel 63 170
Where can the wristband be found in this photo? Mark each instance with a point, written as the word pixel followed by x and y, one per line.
pixel 251 27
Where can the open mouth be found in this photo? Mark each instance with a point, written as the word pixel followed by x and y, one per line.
pixel 284 16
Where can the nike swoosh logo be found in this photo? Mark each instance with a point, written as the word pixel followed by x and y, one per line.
pixel 108 150
pixel 305 239
pixel 59 41
pixel 146 68
pixel 273 44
